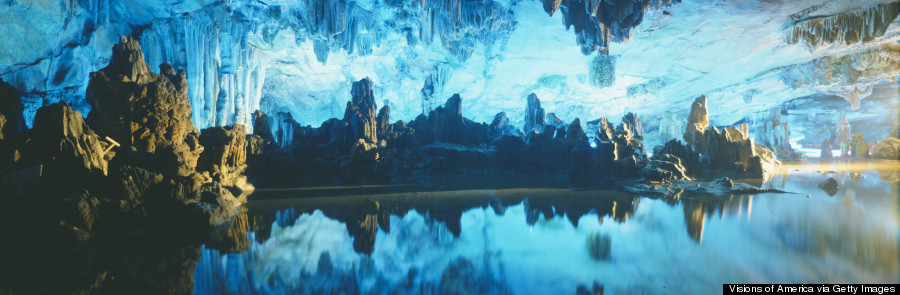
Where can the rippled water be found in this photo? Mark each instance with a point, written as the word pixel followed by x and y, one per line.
pixel 505 234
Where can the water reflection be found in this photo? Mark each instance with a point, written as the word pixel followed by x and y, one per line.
pixel 488 236
pixel 539 240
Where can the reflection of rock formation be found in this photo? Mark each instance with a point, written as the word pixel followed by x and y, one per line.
pixel 364 217
pixel 696 211
pixel 694 218
pixel 147 266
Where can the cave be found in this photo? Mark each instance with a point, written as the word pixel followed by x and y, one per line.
pixel 447 147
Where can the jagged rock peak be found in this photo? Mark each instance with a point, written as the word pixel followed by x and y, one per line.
pixel 383 120
pixel 261 126
pixel 360 113
pixel 62 140
pixel 362 97
pixel 454 104
pixel 136 107
pixel 534 114
pixel 631 126
pixel 575 133
pixel 698 120
pixel 127 60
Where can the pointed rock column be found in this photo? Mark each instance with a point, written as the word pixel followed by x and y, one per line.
pixel 534 114
pixel 360 113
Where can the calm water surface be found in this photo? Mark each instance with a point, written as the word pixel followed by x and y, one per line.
pixel 507 234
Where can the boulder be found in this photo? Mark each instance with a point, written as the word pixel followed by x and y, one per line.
pixel 887 148
pixel 360 113
pixel 830 186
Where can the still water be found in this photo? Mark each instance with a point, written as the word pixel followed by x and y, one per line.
pixel 495 233
pixel 476 234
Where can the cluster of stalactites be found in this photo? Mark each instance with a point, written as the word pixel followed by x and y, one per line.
pixel 597 23
pixel 844 28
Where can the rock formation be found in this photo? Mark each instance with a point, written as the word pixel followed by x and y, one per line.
pixel 225 156
pixel 575 133
pixel 64 144
pixel 775 135
pixel 830 186
pixel 383 120
pixel 446 124
pixel 261 126
pixel 11 122
pixel 135 159
pixel 728 147
pixel 887 148
pixel 534 114
pixel 500 127
pixel 858 147
pixel 843 136
pixel 826 150
pixel 360 113
pixel 11 109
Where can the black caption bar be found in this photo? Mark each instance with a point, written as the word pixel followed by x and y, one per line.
pixel 811 288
